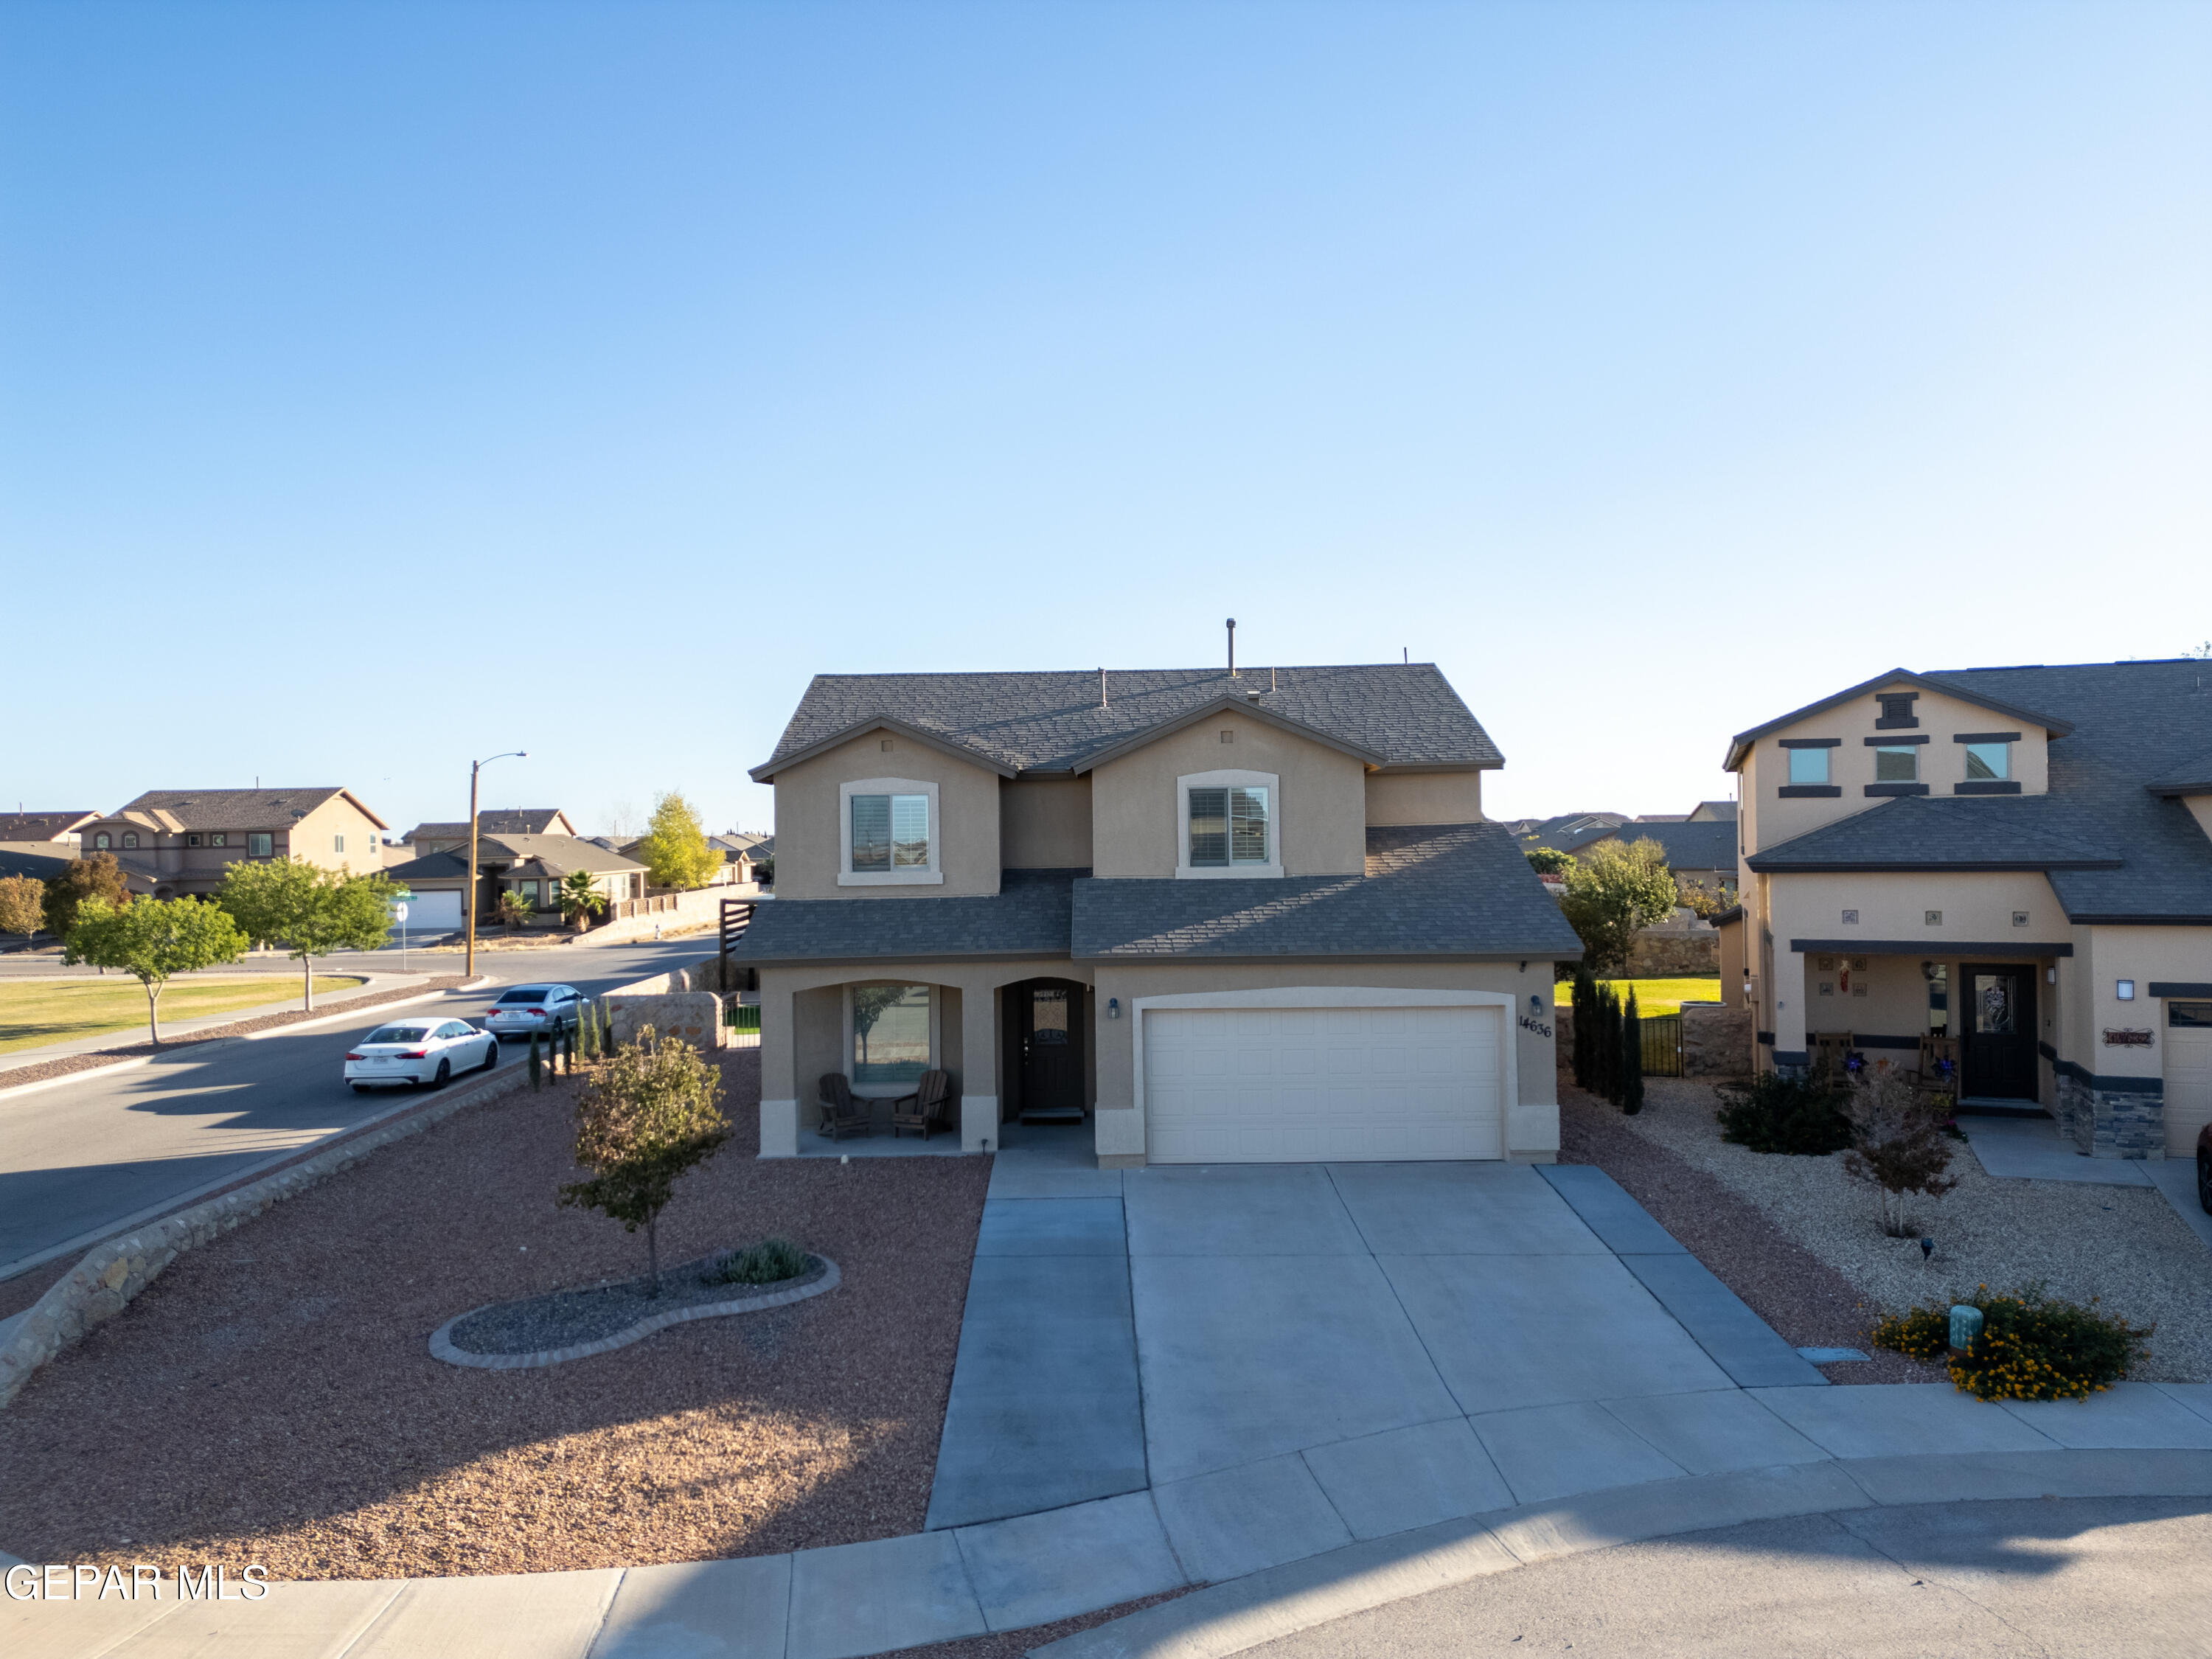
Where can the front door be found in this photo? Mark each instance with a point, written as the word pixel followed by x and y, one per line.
pixel 1999 1052
pixel 1052 1052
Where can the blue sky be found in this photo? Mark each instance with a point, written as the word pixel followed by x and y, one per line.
pixel 382 384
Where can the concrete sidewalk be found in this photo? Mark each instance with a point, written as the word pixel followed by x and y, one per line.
pixel 2032 1149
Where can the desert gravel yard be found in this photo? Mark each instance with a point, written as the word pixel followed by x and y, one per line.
pixel 2123 1244
pixel 272 1397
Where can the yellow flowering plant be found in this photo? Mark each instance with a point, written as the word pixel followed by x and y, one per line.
pixel 2033 1345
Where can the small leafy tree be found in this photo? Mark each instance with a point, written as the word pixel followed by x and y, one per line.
pixel 1705 902
pixel 1549 860
pixel 514 908
pixel 1613 894
pixel 645 1117
pixel 99 877
pixel 152 940
pixel 308 910
pixel 23 904
pixel 580 896
pixel 1899 1146
pixel 676 851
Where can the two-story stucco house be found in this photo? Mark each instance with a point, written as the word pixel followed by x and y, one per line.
pixel 183 839
pixel 1222 917
pixel 2016 861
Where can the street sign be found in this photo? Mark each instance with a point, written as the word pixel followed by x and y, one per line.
pixel 403 894
pixel 399 913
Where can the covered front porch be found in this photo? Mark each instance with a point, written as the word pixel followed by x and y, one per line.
pixel 1015 1040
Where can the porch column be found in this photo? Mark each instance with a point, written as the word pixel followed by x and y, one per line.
pixel 979 1065
pixel 778 1106
pixel 1788 994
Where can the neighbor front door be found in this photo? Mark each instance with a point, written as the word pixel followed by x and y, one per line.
pixel 1998 1057
pixel 1052 1050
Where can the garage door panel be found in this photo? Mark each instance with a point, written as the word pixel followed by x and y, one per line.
pixel 2188 1086
pixel 1322 1085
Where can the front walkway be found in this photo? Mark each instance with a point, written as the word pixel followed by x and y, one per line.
pixel 2022 1148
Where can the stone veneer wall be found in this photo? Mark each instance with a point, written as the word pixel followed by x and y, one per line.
pixel 2111 1123
pixel 676 1004
pixel 1716 1041
pixel 1653 954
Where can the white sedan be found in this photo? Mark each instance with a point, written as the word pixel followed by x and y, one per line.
pixel 415 1052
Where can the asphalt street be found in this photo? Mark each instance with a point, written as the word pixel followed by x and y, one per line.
pixel 78 1160
pixel 2110 1577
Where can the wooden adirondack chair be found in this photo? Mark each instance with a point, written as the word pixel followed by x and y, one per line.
pixel 841 1114
pixel 926 1108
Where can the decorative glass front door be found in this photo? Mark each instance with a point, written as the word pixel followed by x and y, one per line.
pixel 1052 1053
pixel 2000 1021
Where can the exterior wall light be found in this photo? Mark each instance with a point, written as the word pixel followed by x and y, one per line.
pixel 1113 1007
pixel 2051 976
pixel 2126 990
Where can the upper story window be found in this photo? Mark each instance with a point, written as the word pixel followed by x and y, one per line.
pixel 218 838
pixel 192 839
pixel 1897 711
pixel 1899 763
pixel 260 846
pixel 1229 824
pixel 1989 763
pixel 338 843
pixel 1807 766
pixel 129 840
pixel 101 843
pixel 888 834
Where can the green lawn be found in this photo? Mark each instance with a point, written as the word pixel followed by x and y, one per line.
pixel 1653 996
pixel 33 1011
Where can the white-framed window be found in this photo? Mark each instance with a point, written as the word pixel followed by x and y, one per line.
pixel 216 838
pixel 1989 763
pixel 99 842
pixel 259 845
pixel 1228 823
pixel 890 1036
pixel 1808 767
pixel 1897 763
pixel 338 843
pixel 888 833
pixel 129 840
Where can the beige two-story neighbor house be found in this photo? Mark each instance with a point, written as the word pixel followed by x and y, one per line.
pixel 2016 861
pixel 1220 917
pixel 183 839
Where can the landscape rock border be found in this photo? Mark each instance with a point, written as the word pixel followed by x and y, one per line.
pixel 112 1275
pixel 441 1343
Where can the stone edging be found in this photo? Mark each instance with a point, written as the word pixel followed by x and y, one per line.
pixel 113 1274
pixel 441 1344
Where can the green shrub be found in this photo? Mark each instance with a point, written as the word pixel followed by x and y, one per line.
pixel 764 1263
pixel 1802 1116
pixel 2033 1345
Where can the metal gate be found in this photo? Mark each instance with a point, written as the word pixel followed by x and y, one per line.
pixel 1663 1045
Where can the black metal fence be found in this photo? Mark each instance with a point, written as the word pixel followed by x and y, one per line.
pixel 1663 1045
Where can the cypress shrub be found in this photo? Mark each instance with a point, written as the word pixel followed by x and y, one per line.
pixel 1605 1044
pixel 1632 1058
pixel 1585 1002
pixel 536 1072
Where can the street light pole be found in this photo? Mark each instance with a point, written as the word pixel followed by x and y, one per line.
pixel 470 970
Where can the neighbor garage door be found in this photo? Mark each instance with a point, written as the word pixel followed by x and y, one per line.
pixel 1288 1085
pixel 433 912
pixel 2188 1075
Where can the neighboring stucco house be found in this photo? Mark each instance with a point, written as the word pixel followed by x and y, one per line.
pixel 183 839
pixel 426 838
pixel 1224 918
pixel 2019 860
pixel 18 828
pixel 531 865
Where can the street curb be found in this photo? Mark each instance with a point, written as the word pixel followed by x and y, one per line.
pixel 113 1273
pixel 1241 1613
pixel 441 1341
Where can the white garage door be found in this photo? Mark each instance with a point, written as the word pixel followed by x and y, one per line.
pixel 1291 1085
pixel 433 913
pixel 2188 1075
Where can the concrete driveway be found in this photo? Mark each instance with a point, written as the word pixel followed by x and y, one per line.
pixel 1291 1356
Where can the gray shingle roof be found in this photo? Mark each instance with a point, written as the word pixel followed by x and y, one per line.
pixel 1455 889
pixel 491 820
pixel 1049 722
pixel 40 826
pixel 239 809
pixel 1027 917
pixel 1687 845
pixel 558 855
pixel 2130 724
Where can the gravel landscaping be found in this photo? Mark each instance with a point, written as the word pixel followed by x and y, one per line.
pixel 272 1397
pixel 2122 1244
pixel 560 1318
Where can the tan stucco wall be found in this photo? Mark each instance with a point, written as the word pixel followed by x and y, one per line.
pixel 2200 808
pixel 1044 824
pixel 1424 797
pixel 1320 818
pixel 1532 1121
pixel 808 840
pixel 1769 820
pixel 2102 957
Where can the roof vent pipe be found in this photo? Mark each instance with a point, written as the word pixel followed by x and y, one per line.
pixel 1233 647
pixel 1102 688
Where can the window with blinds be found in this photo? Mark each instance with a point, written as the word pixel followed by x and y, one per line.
pixel 890 832
pixel 1228 826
